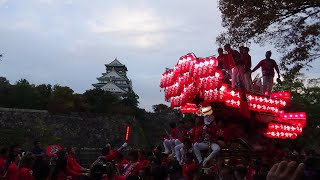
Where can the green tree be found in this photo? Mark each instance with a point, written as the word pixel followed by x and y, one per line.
pixel 79 103
pixel 160 108
pixel 293 26
pixel 43 94
pixel 130 99
pixel 23 94
pixel 4 81
pixel 62 99
pixel 305 96
pixel 5 89
pixel 100 101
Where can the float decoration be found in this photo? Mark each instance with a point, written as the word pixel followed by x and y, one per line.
pixel 198 78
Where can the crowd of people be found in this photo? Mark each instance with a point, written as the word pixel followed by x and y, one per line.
pixel 197 145
pixel 237 66
pixel 192 150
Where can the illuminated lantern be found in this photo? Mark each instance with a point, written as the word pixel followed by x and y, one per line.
pixel 281 95
pixel 285 128
pixel 163 80
pixel 281 135
pixel 298 118
pixel 189 108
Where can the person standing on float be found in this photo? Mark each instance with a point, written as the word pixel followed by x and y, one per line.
pixel 267 65
pixel 247 68
pixel 234 57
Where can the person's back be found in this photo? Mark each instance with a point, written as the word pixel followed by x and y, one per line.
pixel 26 163
pixel 221 59
pixel 246 58
pixel 267 67
pixel 40 169
pixel 25 173
pixel 237 58
pixel 3 159
pixel 12 172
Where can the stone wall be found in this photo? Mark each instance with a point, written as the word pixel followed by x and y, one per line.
pixel 155 124
pixel 77 129
pixel 24 126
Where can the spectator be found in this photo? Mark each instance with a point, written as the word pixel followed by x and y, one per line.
pixel 142 158
pixel 25 168
pixel 240 173
pixel 14 149
pixel 4 152
pixel 12 172
pixel 59 170
pixel 41 166
pixel 190 167
pixel 74 169
pixel 133 167
pixel 286 171
pixel 175 170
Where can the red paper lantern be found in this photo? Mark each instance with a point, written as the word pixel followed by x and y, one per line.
pixel 281 135
pixel 190 108
pixel 285 128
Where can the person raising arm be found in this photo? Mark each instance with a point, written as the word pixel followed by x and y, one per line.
pixel 267 65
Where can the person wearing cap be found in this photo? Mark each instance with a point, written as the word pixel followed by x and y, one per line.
pixel 204 137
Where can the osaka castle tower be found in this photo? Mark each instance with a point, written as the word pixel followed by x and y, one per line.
pixel 115 79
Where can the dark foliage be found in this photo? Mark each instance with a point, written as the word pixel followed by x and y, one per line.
pixel 293 26
pixel 62 99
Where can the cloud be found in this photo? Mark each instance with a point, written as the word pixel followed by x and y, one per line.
pixel 68 42
pixel 25 25
pixel 139 27
pixel 54 2
pixel 2 2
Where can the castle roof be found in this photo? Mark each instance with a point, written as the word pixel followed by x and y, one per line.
pixel 112 74
pixel 110 86
pixel 115 62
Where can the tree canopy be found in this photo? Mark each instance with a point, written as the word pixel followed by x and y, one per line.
pixel 293 26
pixel 157 108
pixel 305 96
pixel 62 99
